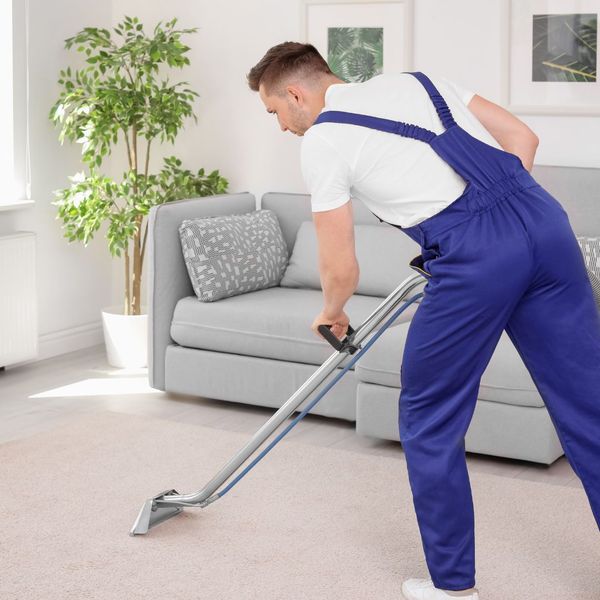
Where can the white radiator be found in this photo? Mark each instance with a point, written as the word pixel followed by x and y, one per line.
pixel 18 304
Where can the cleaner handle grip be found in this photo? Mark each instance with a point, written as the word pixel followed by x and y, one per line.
pixel 325 331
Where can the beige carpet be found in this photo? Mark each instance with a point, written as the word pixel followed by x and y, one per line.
pixel 306 523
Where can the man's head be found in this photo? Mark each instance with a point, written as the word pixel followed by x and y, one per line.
pixel 291 80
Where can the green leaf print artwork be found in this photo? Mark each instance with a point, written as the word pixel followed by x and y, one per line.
pixel 565 47
pixel 355 54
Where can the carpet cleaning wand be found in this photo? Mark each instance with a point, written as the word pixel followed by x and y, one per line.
pixel 169 503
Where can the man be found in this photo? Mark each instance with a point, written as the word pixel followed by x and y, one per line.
pixel 451 170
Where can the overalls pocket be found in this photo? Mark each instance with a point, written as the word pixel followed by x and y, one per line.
pixel 418 262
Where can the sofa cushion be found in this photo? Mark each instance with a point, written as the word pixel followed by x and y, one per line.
pixel 590 248
pixel 382 251
pixel 233 254
pixel 505 379
pixel 271 323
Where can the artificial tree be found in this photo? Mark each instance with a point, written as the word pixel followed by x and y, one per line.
pixel 116 95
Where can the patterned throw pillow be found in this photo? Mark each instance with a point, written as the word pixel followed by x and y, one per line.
pixel 233 254
pixel 590 248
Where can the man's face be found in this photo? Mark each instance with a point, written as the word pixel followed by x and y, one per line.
pixel 293 110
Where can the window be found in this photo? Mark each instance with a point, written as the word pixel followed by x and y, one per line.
pixel 14 100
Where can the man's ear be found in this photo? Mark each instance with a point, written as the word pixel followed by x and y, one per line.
pixel 296 94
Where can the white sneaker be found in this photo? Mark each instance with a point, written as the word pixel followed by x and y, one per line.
pixel 423 589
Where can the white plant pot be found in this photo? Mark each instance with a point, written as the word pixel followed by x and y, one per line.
pixel 126 337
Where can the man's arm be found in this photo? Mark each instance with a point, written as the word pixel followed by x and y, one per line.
pixel 338 267
pixel 511 133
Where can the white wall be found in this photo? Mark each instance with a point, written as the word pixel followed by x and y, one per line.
pixel 73 282
pixel 464 40
pixel 461 40
pixel 234 133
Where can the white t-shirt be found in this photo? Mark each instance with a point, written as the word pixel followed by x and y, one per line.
pixel 402 180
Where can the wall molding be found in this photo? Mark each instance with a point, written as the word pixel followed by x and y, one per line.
pixel 69 340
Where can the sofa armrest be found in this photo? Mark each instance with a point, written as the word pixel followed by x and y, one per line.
pixel 167 277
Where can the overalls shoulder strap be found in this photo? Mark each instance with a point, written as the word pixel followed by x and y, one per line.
pixel 397 127
pixel 440 104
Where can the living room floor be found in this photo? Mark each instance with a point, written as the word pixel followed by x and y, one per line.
pixel 41 395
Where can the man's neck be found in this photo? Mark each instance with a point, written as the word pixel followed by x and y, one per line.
pixel 333 81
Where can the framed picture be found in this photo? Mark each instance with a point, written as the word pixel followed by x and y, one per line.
pixel 360 39
pixel 551 64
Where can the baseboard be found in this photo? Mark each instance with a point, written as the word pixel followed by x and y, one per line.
pixel 69 340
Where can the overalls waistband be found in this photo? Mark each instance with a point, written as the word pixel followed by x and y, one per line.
pixel 474 200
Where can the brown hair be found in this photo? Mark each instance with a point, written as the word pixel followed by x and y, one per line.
pixel 283 60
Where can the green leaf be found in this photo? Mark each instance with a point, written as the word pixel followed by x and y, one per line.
pixel 121 85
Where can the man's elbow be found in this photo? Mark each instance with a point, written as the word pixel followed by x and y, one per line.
pixel 534 140
pixel 529 152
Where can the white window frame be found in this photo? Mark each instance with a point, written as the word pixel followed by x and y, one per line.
pixel 15 171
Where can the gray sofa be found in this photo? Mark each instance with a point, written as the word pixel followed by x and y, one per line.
pixel 257 348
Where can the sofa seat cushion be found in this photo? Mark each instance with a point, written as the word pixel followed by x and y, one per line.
pixel 270 323
pixel 505 378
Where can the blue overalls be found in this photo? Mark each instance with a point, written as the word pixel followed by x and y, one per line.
pixel 502 256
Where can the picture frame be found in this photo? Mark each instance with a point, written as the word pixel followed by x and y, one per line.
pixel 360 39
pixel 550 57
